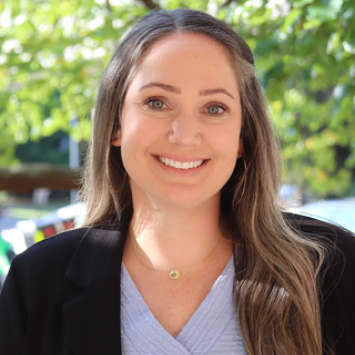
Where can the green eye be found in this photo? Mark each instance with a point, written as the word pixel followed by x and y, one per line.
pixel 157 103
pixel 213 110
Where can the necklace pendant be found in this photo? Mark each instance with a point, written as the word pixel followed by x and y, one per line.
pixel 174 274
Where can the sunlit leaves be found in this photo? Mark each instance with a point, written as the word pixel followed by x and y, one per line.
pixel 53 53
pixel 305 60
pixel 52 56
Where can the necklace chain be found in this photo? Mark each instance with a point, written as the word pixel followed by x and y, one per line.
pixel 174 273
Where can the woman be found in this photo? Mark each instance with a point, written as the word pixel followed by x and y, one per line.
pixel 184 250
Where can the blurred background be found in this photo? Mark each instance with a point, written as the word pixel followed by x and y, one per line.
pixel 53 52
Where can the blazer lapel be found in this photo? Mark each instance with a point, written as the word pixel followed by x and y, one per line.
pixel 93 317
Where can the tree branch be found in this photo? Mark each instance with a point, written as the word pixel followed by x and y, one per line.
pixel 228 2
pixel 151 5
pixel 108 7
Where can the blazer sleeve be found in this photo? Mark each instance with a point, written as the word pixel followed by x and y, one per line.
pixel 337 281
pixel 338 295
pixel 12 321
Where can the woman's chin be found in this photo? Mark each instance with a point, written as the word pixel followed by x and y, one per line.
pixel 186 199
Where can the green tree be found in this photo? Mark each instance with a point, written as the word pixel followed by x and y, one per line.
pixel 305 59
pixel 53 53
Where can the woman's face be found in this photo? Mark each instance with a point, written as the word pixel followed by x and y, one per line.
pixel 181 122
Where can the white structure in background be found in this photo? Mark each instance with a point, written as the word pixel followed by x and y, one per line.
pixel 76 212
pixel 289 197
pixel 22 235
pixel 16 238
pixel 40 196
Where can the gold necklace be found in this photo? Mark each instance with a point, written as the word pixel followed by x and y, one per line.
pixel 174 273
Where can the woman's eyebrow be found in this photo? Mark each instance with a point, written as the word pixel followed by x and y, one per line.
pixel 215 91
pixel 162 86
pixel 178 91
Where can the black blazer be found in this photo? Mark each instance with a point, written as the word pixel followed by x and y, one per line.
pixel 62 295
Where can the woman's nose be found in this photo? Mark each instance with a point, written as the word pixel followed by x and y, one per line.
pixel 184 131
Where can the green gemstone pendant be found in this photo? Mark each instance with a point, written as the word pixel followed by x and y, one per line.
pixel 174 274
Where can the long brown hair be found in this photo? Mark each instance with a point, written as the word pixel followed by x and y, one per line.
pixel 276 268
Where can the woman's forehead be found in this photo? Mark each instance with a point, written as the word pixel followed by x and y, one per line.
pixel 182 55
pixel 186 41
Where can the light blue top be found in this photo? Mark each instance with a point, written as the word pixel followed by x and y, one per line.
pixel 213 328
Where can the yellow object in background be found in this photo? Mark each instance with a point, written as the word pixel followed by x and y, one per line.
pixel 38 236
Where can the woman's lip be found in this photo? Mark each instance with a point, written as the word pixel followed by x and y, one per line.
pixel 177 158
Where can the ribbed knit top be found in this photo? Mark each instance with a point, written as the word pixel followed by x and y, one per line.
pixel 213 329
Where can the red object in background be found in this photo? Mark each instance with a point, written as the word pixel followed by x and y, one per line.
pixel 68 224
pixel 49 231
pixel 53 229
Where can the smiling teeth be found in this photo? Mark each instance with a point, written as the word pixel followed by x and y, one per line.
pixel 181 165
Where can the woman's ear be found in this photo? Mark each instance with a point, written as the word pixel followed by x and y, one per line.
pixel 240 149
pixel 116 140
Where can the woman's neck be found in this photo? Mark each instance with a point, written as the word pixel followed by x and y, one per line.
pixel 174 237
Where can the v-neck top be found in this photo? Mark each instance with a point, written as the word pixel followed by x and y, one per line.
pixel 212 329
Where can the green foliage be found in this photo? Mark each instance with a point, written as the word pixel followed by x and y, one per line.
pixel 53 53
pixel 53 149
pixel 304 53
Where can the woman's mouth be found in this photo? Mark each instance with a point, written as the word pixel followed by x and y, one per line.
pixel 181 165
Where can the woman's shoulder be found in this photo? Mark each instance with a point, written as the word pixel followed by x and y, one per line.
pixel 54 255
pixel 338 270
pixel 45 261
pixel 337 279
pixel 333 236
pixel 51 249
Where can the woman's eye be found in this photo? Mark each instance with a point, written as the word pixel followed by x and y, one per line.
pixel 156 103
pixel 216 110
